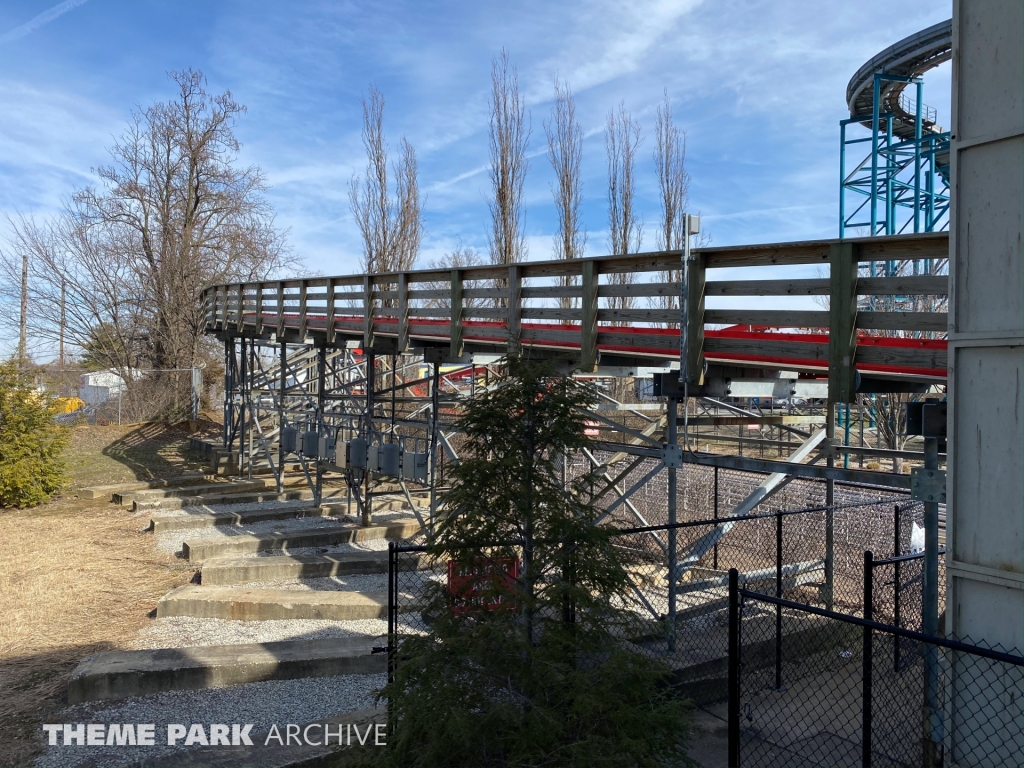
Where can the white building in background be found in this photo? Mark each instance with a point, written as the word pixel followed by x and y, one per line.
pixel 96 388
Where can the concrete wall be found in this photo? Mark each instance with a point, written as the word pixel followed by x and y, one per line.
pixel 986 479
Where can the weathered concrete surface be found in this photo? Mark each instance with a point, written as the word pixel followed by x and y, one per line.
pixel 198 550
pixel 160 524
pixel 174 492
pixel 269 604
pixel 101 491
pixel 120 674
pixel 228 497
pixel 243 570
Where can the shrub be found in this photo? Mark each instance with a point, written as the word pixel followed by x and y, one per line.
pixel 31 444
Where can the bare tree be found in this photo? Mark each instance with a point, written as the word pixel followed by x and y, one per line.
pixel 673 180
pixel 622 140
pixel 460 256
pixel 565 151
pixel 391 226
pixel 509 138
pixel 173 214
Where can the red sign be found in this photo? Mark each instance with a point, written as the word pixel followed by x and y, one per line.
pixel 479 585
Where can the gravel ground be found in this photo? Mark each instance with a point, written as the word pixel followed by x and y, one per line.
pixel 186 631
pixel 263 704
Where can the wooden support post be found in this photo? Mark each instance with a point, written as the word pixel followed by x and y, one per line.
pixel 367 313
pixel 329 319
pixel 842 336
pixel 259 309
pixel 588 330
pixel 280 310
pixel 695 319
pixel 455 334
pixel 403 312
pixel 515 307
pixel 240 319
pixel 303 290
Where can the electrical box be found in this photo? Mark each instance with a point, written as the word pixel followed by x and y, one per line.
pixel 357 453
pixel 373 458
pixel 310 444
pixel 414 467
pixel 289 438
pixel 390 460
pixel 326 447
pixel 340 459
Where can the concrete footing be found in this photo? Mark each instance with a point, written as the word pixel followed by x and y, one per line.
pixel 244 570
pixel 120 674
pixel 198 550
pixel 238 604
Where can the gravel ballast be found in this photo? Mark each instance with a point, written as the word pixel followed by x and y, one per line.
pixel 187 631
pixel 263 704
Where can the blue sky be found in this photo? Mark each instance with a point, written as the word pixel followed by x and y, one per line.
pixel 758 85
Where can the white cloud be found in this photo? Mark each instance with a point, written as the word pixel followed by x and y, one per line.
pixel 42 19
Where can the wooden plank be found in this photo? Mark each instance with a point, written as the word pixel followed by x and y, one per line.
pixel 842 336
pixel 912 357
pixel 621 337
pixel 240 310
pixel 640 290
pixel 552 291
pixel 737 421
pixel 403 312
pixel 638 315
pixel 588 313
pixel 441 313
pixel 911 285
pixel 483 293
pixel 903 321
pixel 455 329
pixel 484 313
pixel 765 347
pixel 552 313
pixel 776 318
pixel 803 287
pixel 515 307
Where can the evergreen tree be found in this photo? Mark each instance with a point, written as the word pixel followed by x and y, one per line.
pixel 546 674
pixel 31 443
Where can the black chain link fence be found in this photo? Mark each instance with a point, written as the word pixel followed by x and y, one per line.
pixel 841 691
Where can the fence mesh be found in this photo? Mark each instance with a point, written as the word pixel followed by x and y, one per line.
pixel 813 700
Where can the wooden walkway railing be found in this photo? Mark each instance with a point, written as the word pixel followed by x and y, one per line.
pixel 565 304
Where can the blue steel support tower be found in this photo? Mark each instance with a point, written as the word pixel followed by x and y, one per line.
pixel 901 182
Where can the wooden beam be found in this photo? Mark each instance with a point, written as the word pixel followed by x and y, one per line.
pixel 842 336
pixel 330 313
pixel 259 309
pixel 403 312
pixel 455 331
pixel 367 312
pixel 695 321
pixel 302 310
pixel 588 329
pixel 280 310
pixel 515 307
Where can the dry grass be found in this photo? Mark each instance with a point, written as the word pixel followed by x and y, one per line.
pixel 78 577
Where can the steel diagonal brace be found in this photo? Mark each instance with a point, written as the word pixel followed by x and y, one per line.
pixel 614 485
pixel 769 486
pixel 638 437
pixel 415 511
pixel 625 496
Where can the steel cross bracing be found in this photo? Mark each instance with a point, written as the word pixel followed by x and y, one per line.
pixel 359 389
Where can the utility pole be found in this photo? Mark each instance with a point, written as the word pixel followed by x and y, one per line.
pixel 23 320
pixel 63 321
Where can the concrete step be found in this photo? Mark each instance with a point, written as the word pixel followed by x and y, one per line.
pixel 198 550
pixel 224 486
pixel 105 491
pixel 120 674
pixel 244 570
pixel 160 524
pixel 270 494
pixel 237 604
